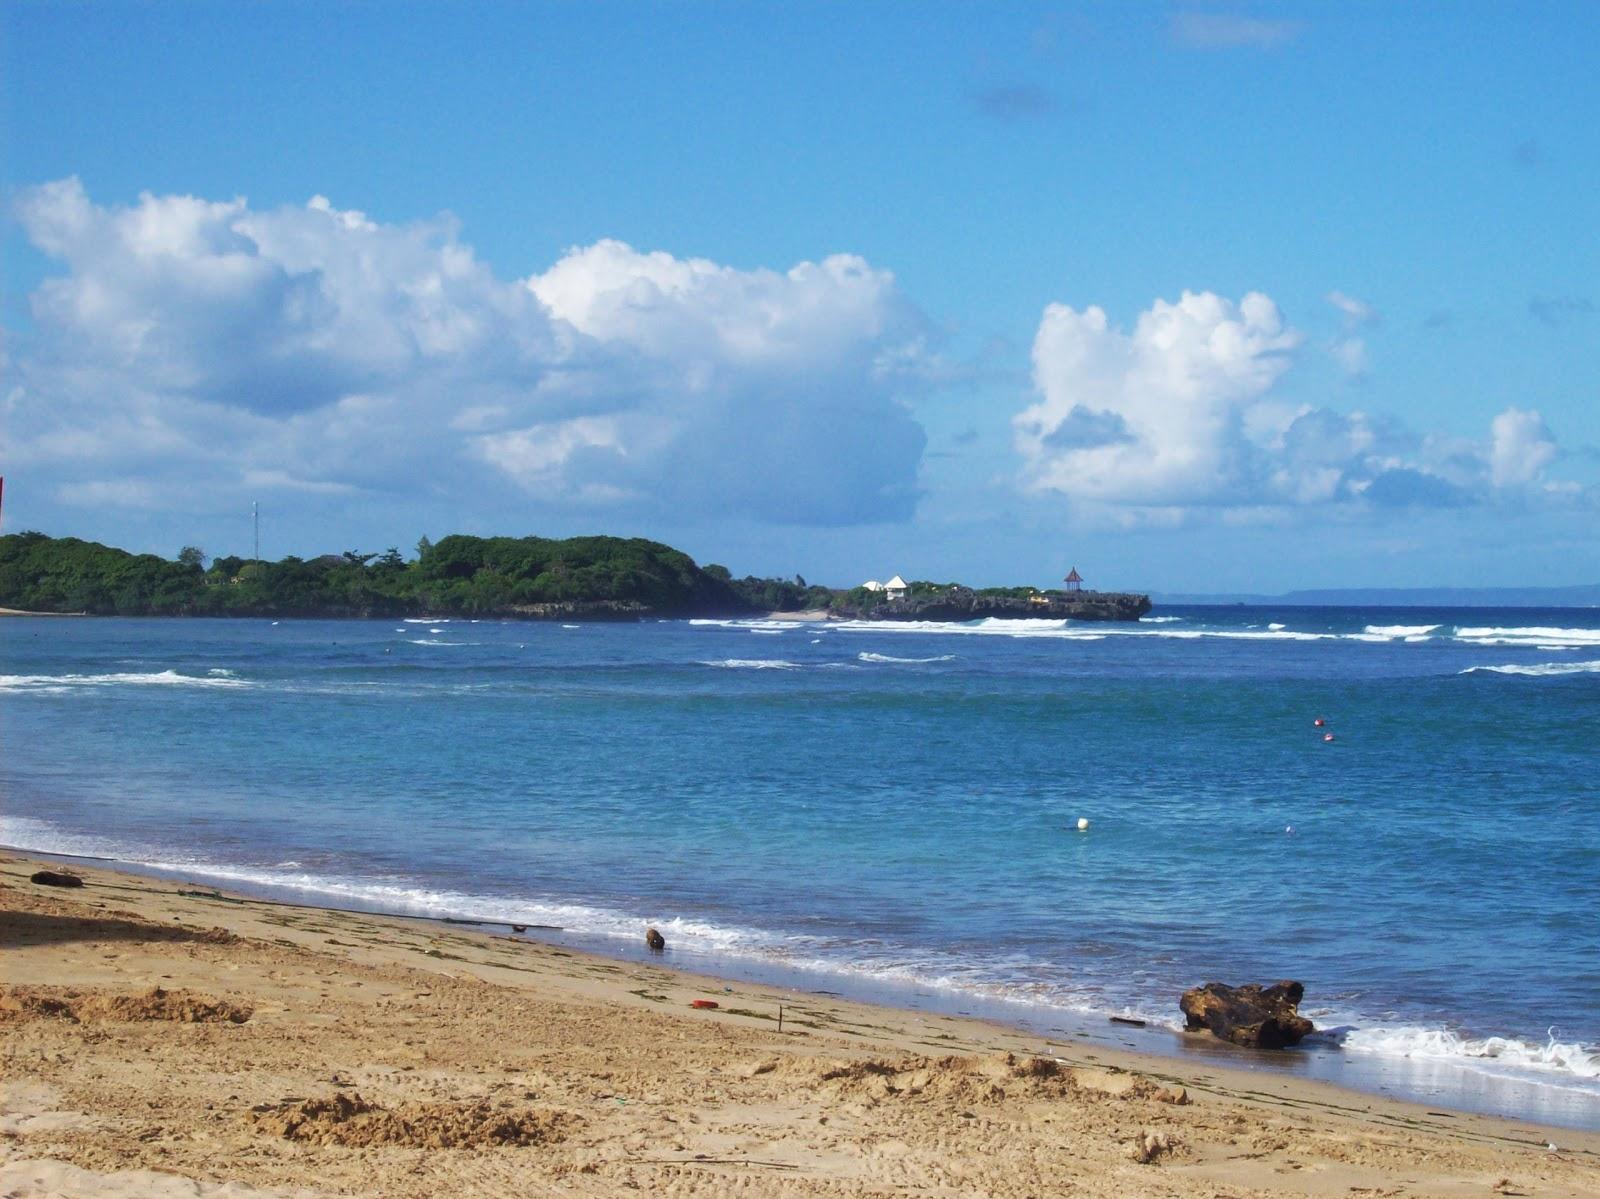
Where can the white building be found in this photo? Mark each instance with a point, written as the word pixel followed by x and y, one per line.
pixel 896 588
pixel 872 585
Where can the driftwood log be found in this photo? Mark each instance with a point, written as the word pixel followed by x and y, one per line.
pixel 55 878
pixel 1254 1016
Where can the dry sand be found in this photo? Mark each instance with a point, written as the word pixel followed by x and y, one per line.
pixel 161 1039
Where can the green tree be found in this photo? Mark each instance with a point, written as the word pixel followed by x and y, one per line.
pixel 192 556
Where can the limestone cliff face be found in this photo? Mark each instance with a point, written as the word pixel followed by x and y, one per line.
pixel 960 603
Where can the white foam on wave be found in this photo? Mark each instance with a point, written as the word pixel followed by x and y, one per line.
pixel 1069 630
pixel 1159 619
pixel 68 682
pixel 1490 1055
pixel 989 627
pixel 869 657
pixel 1277 627
pixel 381 895
pixel 1409 632
pixel 426 619
pixel 1556 1063
pixel 748 624
pixel 1539 670
pixel 1534 635
pixel 753 664
pixel 433 640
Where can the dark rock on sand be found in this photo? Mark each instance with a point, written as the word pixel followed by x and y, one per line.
pixel 655 940
pixel 1254 1016
pixel 54 878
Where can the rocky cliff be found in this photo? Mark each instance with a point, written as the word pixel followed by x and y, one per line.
pixel 960 603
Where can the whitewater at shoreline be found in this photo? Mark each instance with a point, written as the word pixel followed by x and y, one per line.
pixel 328 1051
pixel 1495 1076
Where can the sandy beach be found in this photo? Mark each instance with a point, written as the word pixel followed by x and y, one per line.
pixel 167 1039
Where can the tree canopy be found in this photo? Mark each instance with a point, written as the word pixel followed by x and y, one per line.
pixel 457 575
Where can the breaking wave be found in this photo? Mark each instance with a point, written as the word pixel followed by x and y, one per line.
pixel 69 682
pixel 1539 670
pixel 870 657
pixel 753 664
pixel 1536 635
pixel 1577 1061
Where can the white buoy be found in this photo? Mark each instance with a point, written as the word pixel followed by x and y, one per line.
pixel 1083 824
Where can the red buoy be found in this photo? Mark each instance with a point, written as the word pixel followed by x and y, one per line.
pixel 1319 722
pixel 704 1003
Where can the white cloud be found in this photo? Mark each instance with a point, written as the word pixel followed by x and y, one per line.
pixel 1349 350
pixel 1222 31
pixel 1155 416
pixel 1356 312
pixel 317 351
pixel 1521 448
pixel 1351 355
pixel 1181 414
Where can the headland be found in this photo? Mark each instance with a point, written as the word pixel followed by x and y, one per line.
pixel 508 578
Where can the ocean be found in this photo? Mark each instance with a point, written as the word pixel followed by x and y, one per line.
pixel 890 811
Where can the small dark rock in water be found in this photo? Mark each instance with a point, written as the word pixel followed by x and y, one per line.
pixel 53 878
pixel 519 928
pixel 1128 1020
pixel 1254 1016
pixel 655 940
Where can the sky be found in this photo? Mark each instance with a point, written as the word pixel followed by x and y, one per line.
pixel 1240 297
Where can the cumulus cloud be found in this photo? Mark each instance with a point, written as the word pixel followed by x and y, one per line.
pixel 1520 449
pixel 313 349
pixel 1153 416
pixel 1181 414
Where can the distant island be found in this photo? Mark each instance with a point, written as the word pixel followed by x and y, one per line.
pixel 1586 595
pixel 527 578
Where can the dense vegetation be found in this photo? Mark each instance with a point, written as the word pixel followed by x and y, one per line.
pixel 531 576
pixel 595 577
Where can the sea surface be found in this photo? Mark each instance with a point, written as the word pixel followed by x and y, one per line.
pixel 890 811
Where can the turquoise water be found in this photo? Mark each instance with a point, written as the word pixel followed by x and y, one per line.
pixel 890 811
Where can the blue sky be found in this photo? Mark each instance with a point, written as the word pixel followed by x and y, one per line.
pixel 1196 297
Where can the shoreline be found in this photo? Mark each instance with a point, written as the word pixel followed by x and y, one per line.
pixel 1450 1083
pixel 409 1012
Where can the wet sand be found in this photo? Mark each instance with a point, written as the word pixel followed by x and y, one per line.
pixel 167 1039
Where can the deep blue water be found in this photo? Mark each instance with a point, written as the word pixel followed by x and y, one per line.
pixel 895 807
